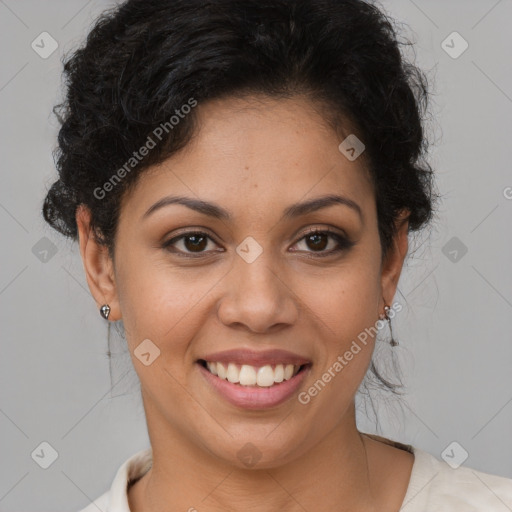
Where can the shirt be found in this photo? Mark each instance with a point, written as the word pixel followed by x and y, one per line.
pixel 434 486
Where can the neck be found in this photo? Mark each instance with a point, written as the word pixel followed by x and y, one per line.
pixel 332 475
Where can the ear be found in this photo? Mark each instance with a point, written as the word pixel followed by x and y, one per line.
pixel 98 266
pixel 393 262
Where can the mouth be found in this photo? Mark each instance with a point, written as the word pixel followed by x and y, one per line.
pixel 247 375
pixel 254 380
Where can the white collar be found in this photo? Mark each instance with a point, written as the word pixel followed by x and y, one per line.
pixel 432 482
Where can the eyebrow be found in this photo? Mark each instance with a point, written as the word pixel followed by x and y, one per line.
pixel 217 212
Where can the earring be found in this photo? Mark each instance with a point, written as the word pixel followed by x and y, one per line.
pixel 386 316
pixel 105 311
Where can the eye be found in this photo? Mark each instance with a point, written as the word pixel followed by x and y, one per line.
pixel 194 243
pixel 318 241
pixel 190 242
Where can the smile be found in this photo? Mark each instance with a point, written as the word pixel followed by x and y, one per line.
pixel 249 375
pixel 251 379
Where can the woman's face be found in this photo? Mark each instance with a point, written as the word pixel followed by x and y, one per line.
pixel 255 283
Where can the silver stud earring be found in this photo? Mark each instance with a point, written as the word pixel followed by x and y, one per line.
pixel 105 311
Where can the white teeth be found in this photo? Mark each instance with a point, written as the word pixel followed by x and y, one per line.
pixel 212 367
pixel 288 371
pixel 279 373
pixel 248 375
pixel 265 376
pixel 233 374
pixel 221 371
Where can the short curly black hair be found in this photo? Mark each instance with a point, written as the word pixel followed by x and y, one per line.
pixel 144 60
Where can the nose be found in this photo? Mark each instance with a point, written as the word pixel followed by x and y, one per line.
pixel 257 298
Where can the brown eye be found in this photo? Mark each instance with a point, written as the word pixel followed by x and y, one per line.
pixel 195 243
pixel 188 243
pixel 317 241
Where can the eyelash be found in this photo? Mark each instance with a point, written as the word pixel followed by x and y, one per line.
pixel 343 243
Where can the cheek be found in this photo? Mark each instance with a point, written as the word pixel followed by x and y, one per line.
pixel 160 303
pixel 347 301
pixel 346 309
pixel 346 351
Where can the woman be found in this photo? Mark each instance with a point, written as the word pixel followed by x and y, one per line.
pixel 242 177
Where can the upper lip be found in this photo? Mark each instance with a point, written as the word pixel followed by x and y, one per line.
pixel 256 358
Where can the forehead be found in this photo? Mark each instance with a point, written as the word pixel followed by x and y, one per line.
pixel 256 153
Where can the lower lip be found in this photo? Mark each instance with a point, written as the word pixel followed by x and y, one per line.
pixel 255 397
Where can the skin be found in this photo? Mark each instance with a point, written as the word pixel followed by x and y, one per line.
pixel 254 157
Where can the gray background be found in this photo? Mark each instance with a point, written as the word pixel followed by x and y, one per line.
pixel 456 341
